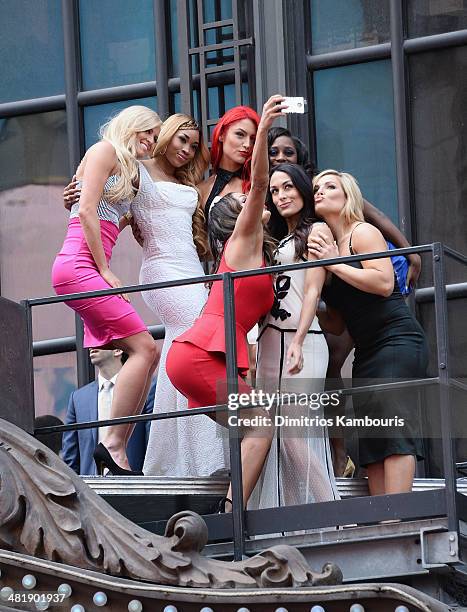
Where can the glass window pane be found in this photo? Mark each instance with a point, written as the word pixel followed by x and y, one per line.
pixel 54 380
pixel 215 10
pixel 427 17
pixel 33 221
pixel 175 103
pixel 355 128
pixel 117 42
pixel 439 133
pixel 347 24
pixel 214 36
pixel 95 116
pixel 31 54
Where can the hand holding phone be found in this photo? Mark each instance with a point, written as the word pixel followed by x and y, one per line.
pixel 295 105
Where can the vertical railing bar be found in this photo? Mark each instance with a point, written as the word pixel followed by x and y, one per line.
pixel 203 89
pixel 236 50
pixel 442 339
pixel 245 29
pixel 160 39
pixel 400 117
pixel 238 515
pixel 186 98
pixel 30 353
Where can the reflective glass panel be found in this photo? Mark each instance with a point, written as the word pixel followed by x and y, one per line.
pixel 215 10
pixel 439 141
pixel 54 380
pixel 95 116
pixel 347 24
pixel 175 103
pixel 220 99
pixel 117 42
pixel 436 16
pixel 355 128
pixel 33 221
pixel 31 53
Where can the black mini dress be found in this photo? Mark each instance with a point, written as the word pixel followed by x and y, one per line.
pixel 390 346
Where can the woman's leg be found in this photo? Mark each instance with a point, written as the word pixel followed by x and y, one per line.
pixel 201 377
pixel 254 450
pixel 339 350
pixel 375 473
pixel 393 475
pixel 131 426
pixel 130 388
pixel 399 472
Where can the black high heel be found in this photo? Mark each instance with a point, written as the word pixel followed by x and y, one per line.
pixel 103 459
pixel 221 506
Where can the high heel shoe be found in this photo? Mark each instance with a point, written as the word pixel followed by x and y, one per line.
pixel 103 459
pixel 221 507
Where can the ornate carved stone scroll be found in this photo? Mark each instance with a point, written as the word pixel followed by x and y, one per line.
pixel 47 511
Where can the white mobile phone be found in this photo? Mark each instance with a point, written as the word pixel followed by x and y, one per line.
pixel 295 105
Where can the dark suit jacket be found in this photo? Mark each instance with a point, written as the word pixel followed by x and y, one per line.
pixel 78 446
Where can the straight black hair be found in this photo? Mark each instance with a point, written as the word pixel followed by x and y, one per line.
pixel 278 226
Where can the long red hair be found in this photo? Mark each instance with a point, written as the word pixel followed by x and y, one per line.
pixel 237 113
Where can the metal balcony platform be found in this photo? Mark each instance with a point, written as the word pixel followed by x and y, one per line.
pixel 412 549
pixel 145 498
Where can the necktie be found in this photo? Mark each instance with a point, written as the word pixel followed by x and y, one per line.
pixel 105 404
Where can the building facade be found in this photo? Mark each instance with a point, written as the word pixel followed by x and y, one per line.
pixel 386 87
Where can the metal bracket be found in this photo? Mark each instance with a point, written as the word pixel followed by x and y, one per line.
pixel 438 547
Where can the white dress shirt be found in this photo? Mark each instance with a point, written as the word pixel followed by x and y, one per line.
pixel 104 401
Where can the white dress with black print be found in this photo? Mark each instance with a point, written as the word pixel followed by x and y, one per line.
pixel 298 469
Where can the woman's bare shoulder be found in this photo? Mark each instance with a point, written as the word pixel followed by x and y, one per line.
pixel 102 153
pixel 366 237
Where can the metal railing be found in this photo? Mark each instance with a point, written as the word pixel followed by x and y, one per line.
pixel 324 514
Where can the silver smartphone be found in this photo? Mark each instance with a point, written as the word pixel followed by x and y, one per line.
pixel 295 105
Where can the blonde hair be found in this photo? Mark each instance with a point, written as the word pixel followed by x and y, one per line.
pixel 121 132
pixel 191 173
pixel 353 208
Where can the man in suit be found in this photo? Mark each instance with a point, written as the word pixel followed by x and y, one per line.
pixel 92 402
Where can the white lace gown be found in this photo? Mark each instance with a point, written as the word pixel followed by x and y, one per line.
pixel 298 469
pixel 191 446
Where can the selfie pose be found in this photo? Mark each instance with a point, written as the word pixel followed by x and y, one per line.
pixel 196 363
pixel 389 342
pixel 293 354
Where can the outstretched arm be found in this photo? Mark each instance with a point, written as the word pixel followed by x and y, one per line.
pixel 250 217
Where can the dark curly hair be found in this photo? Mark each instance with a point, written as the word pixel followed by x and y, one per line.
pixel 223 215
pixel 277 225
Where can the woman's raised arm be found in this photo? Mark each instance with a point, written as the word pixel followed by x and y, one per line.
pixel 250 217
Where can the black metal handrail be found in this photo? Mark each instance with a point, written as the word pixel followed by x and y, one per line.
pixel 228 278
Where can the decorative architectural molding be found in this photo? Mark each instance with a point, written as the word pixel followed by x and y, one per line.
pixel 48 512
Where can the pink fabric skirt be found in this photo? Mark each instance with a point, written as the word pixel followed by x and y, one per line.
pixel 105 318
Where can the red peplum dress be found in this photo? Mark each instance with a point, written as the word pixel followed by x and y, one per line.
pixel 196 362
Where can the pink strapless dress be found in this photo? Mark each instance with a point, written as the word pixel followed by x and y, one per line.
pixel 105 318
